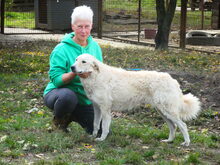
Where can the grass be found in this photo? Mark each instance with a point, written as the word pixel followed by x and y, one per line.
pixel 20 19
pixel 25 137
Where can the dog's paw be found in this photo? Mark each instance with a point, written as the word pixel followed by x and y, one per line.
pixel 99 139
pixel 167 141
pixel 94 134
pixel 185 144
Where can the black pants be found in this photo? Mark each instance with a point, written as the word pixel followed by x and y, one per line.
pixel 63 101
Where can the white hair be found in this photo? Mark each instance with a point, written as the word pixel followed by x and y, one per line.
pixel 82 12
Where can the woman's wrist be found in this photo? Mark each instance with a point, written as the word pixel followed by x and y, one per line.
pixel 67 77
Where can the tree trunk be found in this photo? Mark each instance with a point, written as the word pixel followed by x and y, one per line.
pixel 165 16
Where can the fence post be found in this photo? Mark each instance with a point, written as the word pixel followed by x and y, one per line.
pixel 183 24
pixel 139 19
pixel 100 6
pixel 76 3
pixel 201 5
pixel 2 16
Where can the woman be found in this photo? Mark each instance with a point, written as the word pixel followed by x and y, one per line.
pixel 64 93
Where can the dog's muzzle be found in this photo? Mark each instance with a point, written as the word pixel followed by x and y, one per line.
pixel 73 68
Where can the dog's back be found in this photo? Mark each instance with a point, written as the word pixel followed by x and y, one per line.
pixel 129 89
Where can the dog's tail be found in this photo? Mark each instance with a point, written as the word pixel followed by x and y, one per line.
pixel 190 108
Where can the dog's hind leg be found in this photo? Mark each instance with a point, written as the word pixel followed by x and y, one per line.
pixel 97 120
pixel 183 128
pixel 106 121
pixel 172 128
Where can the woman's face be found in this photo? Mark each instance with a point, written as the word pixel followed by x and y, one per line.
pixel 82 29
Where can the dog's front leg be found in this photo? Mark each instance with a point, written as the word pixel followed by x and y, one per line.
pixel 106 121
pixel 97 120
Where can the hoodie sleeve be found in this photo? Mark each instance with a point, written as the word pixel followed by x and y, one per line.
pixel 58 64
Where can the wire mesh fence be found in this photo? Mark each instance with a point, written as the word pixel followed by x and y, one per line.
pixel 123 15
pixel 126 19
pixel 19 17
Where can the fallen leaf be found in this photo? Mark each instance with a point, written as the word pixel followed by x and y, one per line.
pixel 145 147
pixel 3 138
pixel 21 141
pixel 41 156
pixel 93 150
pixel 32 110
pixel 88 146
pixel 204 130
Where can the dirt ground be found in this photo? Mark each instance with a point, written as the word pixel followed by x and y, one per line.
pixel 207 88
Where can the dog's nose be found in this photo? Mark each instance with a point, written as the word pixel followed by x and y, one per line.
pixel 73 68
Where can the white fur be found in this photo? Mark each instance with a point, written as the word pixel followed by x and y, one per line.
pixel 111 88
pixel 82 13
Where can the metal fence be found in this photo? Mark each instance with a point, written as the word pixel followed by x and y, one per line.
pixel 2 6
pixel 121 19
pixel 126 19
pixel 18 15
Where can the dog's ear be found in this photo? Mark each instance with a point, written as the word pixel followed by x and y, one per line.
pixel 95 66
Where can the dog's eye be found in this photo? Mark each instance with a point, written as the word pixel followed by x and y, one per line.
pixel 84 62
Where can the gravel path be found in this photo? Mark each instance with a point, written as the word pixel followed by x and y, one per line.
pixel 8 39
pixel 16 38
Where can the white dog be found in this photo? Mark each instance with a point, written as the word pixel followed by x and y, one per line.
pixel 111 88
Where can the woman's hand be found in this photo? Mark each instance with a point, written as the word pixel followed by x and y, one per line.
pixel 84 75
pixel 67 77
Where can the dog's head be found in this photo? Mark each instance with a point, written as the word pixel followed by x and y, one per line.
pixel 85 63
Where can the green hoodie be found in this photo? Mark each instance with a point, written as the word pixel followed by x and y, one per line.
pixel 62 58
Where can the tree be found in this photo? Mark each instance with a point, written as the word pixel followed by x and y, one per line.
pixel 165 14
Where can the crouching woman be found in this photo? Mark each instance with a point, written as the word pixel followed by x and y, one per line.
pixel 64 94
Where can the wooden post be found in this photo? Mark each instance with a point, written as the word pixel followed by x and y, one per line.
pixel 76 3
pixel 100 12
pixel 139 19
pixel 2 16
pixel 202 15
pixel 183 24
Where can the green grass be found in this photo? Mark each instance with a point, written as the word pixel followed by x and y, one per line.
pixel 178 60
pixel 25 137
pixel 20 19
